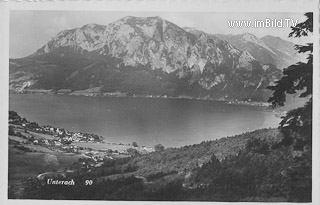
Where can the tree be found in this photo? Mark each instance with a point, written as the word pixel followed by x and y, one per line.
pixel 11 130
pixel 257 145
pixel 135 144
pixel 158 147
pixel 297 124
pixel 133 152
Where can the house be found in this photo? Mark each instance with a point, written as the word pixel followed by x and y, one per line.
pixel 57 143
pixel 99 164
pixel 148 149
pixel 123 152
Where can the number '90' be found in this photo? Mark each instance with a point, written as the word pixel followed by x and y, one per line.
pixel 88 182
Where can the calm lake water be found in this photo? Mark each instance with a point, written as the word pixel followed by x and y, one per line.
pixel 171 122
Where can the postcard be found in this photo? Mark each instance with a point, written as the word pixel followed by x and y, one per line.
pixel 149 101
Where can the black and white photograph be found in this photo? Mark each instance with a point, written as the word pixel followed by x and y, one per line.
pixel 140 105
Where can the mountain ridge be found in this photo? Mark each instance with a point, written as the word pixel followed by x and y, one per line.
pixel 148 56
pixel 268 49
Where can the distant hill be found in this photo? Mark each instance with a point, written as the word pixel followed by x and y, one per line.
pixel 268 49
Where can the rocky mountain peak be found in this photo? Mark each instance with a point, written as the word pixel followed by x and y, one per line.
pixel 248 37
pixel 172 59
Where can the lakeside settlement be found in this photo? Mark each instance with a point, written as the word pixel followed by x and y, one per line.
pixel 89 146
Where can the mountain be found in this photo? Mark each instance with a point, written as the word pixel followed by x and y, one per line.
pixel 144 56
pixel 268 50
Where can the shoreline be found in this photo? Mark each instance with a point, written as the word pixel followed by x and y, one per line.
pixel 62 139
pixel 119 94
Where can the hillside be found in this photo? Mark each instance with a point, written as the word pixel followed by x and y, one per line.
pixel 254 166
pixel 248 167
pixel 268 49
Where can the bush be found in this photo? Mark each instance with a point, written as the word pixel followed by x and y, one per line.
pixel 132 152
pixel 135 144
pixel 11 131
pixel 159 148
pixel 258 146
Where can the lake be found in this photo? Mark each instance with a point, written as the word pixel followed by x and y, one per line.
pixel 148 121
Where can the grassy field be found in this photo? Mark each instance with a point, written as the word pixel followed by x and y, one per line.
pixel 29 159
pixel 16 138
pixel 41 136
pixel 30 164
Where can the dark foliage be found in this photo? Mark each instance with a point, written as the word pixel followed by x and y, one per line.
pixel 297 78
pixel 258 146
pixel 158 147
pixel 159 175
pixel 248 176
pixel 298 123
pixel 11 131
pixel 13 115
pixel 135 144
pixel 253 175
pixel 133 152
pixel 257 171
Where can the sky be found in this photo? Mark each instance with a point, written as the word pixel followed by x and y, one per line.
pixel 30 30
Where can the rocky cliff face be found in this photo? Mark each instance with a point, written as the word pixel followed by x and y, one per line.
pixel 142 41
pixel 145 56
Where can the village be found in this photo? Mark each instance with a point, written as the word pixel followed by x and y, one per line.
pixel 89 146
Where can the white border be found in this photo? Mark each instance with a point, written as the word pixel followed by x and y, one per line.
pixel 150 5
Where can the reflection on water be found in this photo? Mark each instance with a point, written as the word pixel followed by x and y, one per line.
pixel 171 122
